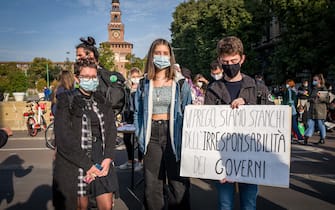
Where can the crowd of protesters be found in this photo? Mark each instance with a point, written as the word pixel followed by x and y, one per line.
pixel 86 132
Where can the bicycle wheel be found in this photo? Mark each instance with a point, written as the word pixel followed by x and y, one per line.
pixel 43 123
pixel 31 122
pixel 50 137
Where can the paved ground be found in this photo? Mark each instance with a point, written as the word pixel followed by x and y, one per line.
pixel 25 179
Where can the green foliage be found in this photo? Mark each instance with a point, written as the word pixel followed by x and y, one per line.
pixel 106 56
pixel 4 84
pixel 17 81
pixel 38 69
pixel 9 73
pixel 40 84
pixel 135 62
pixel 306 37
pixel 199 25
pixel 306 29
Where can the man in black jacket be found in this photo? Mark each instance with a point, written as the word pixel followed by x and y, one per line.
pixel 235 89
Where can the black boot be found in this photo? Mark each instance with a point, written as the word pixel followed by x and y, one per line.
pixel 306 140
pixel 322 141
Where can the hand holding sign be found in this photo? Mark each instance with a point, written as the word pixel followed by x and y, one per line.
pixel 250 144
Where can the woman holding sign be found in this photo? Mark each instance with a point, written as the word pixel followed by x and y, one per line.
pixel 236 89
pixel 159 104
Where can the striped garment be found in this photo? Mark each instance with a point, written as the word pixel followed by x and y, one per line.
pixel 86 140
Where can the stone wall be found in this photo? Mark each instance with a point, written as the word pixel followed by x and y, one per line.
pixel 11 114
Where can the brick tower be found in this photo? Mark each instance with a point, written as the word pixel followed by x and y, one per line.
pixel 120 47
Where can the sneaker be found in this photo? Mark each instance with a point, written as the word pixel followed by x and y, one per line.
pixel 126 165
pixel 138 166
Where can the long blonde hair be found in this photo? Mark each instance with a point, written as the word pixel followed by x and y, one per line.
pixel 65 80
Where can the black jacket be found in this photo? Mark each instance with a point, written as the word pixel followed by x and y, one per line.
pixel 68 131
pixel 217 92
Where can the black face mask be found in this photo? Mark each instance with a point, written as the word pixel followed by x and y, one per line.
pixel 231 70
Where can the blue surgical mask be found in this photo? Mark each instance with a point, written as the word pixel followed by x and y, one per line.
pixel 162 61
pixel 315 83
pixel 89 85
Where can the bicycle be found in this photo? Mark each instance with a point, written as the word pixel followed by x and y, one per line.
pixel 50 136
pixel 35 121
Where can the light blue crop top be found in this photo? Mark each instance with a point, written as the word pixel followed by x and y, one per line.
pixel 161 99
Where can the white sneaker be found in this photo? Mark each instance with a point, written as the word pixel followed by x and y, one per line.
pixel 138 166
pixel 126 165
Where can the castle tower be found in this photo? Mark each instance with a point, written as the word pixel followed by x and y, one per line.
pixel 120 47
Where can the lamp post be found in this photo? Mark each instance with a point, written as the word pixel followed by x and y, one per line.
pixel 67 57
pixel 47 75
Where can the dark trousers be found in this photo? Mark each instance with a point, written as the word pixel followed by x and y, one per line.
pixel 164 188
pixel 129 148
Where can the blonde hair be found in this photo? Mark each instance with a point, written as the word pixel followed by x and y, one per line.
pixel 133 70
pixel 321 78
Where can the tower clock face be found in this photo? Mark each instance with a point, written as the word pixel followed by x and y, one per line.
pixel 116 34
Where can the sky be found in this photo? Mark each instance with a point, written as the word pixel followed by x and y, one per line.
pixel 52 28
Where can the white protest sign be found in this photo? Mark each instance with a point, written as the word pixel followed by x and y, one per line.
pixel 251 144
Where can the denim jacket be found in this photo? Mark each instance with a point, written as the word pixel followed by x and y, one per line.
pixel 143 114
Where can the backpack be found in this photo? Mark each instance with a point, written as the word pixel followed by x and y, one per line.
pixel 263 94
pixel 114 89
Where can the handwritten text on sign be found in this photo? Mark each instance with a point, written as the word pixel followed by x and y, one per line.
pixel 250 144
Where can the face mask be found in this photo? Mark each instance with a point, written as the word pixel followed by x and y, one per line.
pixel 287 86
pixel 89 85
pixel 135 80
pixel 199 84
pixel 161 61
pixel 306 85
pixel 217 76
pixel 301 112
pixel 231 70
pixel 315 83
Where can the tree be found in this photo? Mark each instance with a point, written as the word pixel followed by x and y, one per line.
pixel 38 69
pixel 306 36
pixel 195 34
pixel 307 29
pixel 135 62
pixel 17 81
pixel 106 56
pixel 7 72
